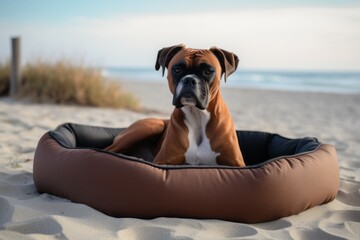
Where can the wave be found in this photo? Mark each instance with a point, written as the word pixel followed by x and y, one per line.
pixel 336 82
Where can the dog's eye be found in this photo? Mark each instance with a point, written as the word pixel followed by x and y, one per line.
pixel 209 71
pixel 177 70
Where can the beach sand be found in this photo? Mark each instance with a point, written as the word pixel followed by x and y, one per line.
pixel 26 214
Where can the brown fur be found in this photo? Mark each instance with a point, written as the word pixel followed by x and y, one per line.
pixel 173 142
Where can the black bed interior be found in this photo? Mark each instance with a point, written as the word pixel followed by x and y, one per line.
pixel 256 147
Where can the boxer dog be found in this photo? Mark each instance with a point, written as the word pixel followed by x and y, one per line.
pixel 200 130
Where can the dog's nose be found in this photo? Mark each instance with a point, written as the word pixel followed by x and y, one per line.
pixel 191 82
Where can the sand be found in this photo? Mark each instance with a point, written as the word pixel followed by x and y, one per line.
pixel 26 214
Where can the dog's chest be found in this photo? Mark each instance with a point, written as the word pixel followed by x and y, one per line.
pixel 199 151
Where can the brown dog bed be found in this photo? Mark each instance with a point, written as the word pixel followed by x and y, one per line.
pixel 283 177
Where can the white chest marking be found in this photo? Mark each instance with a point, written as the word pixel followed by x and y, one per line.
pixel 199 151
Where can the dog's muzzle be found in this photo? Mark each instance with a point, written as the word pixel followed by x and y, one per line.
pixel 191 91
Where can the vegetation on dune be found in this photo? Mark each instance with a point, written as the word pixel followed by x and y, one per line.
pixel 64 82
pixel 4 78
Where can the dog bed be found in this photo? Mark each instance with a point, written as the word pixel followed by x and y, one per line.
pixel 282 177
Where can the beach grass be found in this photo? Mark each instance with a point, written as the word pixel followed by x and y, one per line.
pixel 4 78
pixel 65 82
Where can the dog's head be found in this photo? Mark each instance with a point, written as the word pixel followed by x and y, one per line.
pixel 194 74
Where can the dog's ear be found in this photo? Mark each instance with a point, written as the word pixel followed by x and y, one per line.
pixel 165 55
pixel 228 60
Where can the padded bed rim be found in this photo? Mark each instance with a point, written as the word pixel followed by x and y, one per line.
pixel 123 188
pixel 131 158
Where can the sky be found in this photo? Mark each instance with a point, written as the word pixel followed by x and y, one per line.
pixel 315 35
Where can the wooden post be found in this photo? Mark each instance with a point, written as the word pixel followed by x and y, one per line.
pixel 15 65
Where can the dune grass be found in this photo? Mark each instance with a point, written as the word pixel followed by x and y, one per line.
pixel 4 78
pixel 64 82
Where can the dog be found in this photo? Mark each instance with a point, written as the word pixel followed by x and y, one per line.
pixel 200 130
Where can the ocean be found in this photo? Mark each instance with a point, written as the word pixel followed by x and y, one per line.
pixel 331 82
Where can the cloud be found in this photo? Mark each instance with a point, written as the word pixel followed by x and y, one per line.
pixel 289 38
